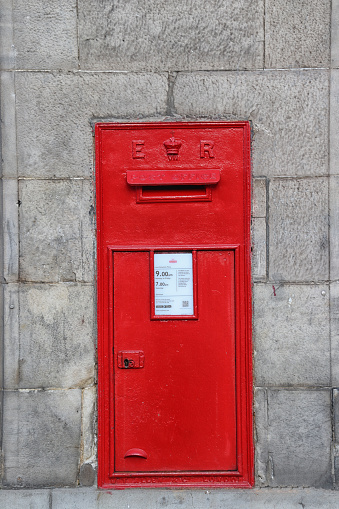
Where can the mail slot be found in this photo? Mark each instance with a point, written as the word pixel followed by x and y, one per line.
pixel 174 305
pixel 176 177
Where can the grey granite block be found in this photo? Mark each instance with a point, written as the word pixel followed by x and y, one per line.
pixel 336 415
pixel 299 438
pixel 336 472
pixel 24 499
pixel 87 475
pixel 335 34
pixel 11 336
pixel 88 419
pixel 291 335
pixel 56 335
pixel 334 324
pixel 41 438
pixel 334 227
pixel 7 48
pixel 334 121
pixel 45 34
pixel 54 113
pixel 56 230
pixel 261 436
pixel 79 498
pixel 264 498
pixel 297 34
pixel 166 35
pixel 10 230
pixel 288 110
pixel 298 230
pixel 8 125
pixel 259 197
pixel 259 248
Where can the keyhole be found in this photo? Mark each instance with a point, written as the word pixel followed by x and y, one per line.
pixel 126 363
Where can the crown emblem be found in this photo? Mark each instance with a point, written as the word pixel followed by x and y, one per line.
pixel 172 147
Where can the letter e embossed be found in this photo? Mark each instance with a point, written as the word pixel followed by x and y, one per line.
pixel 137 147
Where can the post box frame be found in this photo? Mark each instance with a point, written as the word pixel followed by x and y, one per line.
pixel 243 477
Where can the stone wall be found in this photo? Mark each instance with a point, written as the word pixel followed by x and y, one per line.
pixel 66 64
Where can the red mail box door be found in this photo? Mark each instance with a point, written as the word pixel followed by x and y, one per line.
pixel 174 376
pixel 180 407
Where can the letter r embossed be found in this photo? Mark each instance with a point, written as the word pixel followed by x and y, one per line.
pixel 206 149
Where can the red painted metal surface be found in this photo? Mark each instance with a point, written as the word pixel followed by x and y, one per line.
pixel 131 359
pixel 181 407
pixel 136 453
pixel 174 177
pixel 185 418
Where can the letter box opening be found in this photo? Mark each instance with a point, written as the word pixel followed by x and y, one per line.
pixel 174 305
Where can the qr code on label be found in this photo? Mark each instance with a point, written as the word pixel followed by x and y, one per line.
pixel 185 304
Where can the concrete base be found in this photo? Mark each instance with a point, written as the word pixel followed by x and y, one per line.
pixel 265 498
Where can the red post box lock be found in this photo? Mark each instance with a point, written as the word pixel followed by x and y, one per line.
pixel 173 219
pixel 131 359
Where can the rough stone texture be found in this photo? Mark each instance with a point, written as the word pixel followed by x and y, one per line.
pixel 289 111
pixel 54 112
pixel 259 248
pixel 7 49
pixel 10 230
pixel 336 415
pixel 56 336
pixel 87 475
pixel 81 498
pixel 334 323
pixel 334 227
pixel 197 499
pixel 297 34
pixel 334 121
pixel 11 335
pixel 25 499
pixel 298 218
pixel 2 332
pixel 8 125
pixel 171 36
pixel 335 33
pixel 45 34
pixel 260 436
pixel 88 420
pixel 56 230
pixel 336 472
pixel 291 335
pixel 259 197
pixel 41 438
pixel 298 438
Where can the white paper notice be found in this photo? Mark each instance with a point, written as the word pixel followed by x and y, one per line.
pixel 173 284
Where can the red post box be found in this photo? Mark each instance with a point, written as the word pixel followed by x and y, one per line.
pixel 174 306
